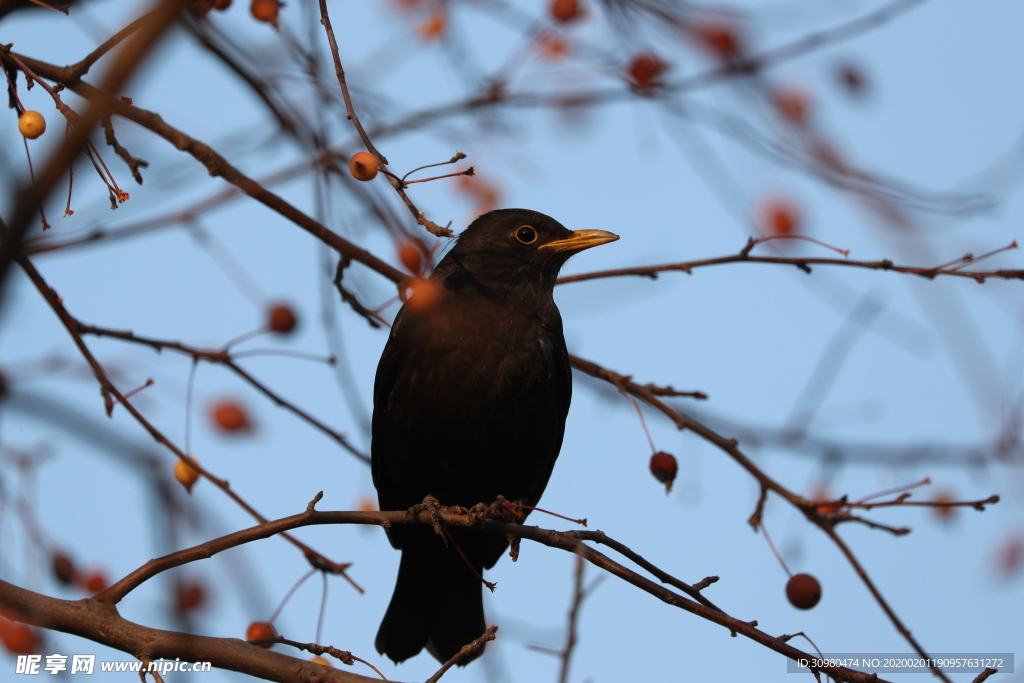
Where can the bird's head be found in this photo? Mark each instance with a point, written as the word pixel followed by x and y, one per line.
pixel 508 249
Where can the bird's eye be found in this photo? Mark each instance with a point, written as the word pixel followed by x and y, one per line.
pixel 526 234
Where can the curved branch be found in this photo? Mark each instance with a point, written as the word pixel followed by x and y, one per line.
pixel 570 541
pixel 99 622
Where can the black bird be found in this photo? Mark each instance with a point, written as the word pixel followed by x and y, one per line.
pixel 469 403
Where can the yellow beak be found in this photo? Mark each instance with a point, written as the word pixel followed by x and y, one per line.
pixel 582 239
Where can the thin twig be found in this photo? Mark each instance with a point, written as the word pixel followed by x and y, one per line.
pixel 574 610
pixel 464 652
pixel 396 183
pixel 224 357
pixel 804 263
pixel 111 394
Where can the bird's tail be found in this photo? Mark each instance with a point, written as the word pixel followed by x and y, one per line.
pixel 437 601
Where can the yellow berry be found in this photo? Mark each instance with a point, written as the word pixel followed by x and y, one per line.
pixel 31 124
pixel 185 474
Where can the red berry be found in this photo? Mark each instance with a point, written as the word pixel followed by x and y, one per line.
pixel 230 416
pixel 266 11
pixel 281 318
pixel 664 468
pixel 18 638
pixel 645 70
pixel 792 104
pixel 780 217
pixel 63 568
pixel 565 11
pixel 190 596
pixel 261 629
pixel 94 581
pixel 719 37
pixel 803 591
pixel 552 46
pixel 363 166
pixel 221 5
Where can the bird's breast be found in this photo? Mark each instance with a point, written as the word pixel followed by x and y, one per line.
pixel 471 411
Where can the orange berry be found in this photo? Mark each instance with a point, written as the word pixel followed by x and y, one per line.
pixel 94 581
pixel 261 629
pixel 791 103
pixel 412 254
pixel 281 318
pixel 186 475
pixel 266 11
pixel 63 568
pixel 366 504
pixel 18 638
pixel 779 216
pixel 230 416
pixel 434 25
pixel 719 37
pixel 422 294
pixel 664 468
pixel 190 596
pixel 320 660
pixel 565 11
pixel 803 591
pixel 31 124
pixel 363 166
pixel 645 70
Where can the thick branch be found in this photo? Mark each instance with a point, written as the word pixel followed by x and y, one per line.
pixel 99 621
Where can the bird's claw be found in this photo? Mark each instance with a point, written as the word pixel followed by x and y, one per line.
pixel 479 511
pixel 482 511
pixel 433 505
pixel 513 547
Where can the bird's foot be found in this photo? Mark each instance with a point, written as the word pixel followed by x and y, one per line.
pixel 433 505
pixel 479 511
pixel 513 547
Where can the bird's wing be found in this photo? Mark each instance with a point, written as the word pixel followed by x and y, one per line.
pixel 387 371
pixel 557 356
